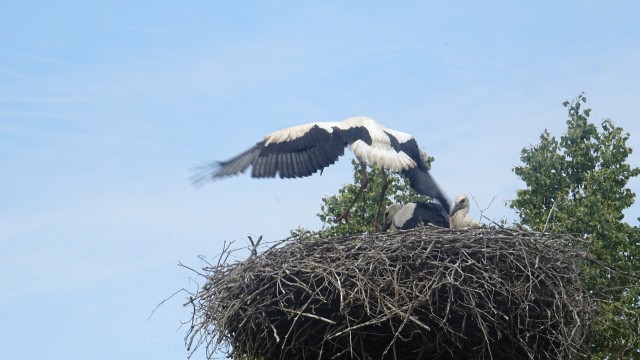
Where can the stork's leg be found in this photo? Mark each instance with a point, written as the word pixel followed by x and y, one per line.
pixel 363 184
pixel 383 192
pixel 385 184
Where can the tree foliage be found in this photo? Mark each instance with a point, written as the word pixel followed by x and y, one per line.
pixel 364 210
pixel 578 185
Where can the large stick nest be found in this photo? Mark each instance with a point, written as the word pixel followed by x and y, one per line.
pixel 427 293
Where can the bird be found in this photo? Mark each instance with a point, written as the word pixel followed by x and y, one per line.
pixel 303 150
pixel 459 217
pixel 408 216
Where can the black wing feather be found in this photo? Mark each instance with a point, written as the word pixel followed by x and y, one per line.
pixel 427 213
pixel 300 157
pixel 419 177
pixel 218 169
pixel 356 133
pixel 411 148
pixel 395 144
pixel 432 213
pixel 422 182
pixel 237 164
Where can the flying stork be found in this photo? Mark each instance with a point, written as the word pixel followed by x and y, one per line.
pixel 408 216
pixel 459 217
pixel 303 150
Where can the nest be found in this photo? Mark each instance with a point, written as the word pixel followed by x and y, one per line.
pixel 427 293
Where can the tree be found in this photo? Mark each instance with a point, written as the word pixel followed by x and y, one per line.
pixel 577 185
pixel 364 210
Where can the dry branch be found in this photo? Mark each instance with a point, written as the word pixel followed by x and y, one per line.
pixel 422 294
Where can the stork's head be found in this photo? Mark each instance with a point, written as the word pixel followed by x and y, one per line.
pixel 389 214
pixel 461 205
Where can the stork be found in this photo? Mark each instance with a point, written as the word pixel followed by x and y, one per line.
pixel 408 216
pixel 459 217
pixel 303 150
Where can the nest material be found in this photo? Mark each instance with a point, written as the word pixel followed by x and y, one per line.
pixel 427 293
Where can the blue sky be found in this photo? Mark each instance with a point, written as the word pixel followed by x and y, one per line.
pixel 105 106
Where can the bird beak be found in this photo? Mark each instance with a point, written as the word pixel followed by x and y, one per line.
pixel 456 207
pixel 387 225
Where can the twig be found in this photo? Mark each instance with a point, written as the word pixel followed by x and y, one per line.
pixel 553 206
pixel 165 300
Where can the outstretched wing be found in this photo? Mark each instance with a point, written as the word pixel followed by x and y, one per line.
pixel 297 151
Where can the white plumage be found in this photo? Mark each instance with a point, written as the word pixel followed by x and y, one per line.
pixel 460 218
pixel 303 150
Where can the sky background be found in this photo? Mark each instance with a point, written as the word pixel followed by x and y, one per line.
pixel 105 107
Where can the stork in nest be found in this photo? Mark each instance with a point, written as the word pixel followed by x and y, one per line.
pixel 408 216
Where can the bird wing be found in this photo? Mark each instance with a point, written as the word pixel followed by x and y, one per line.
pixel 409 146
pixel 300 151
pixel 218 169
pixel 419 178
pixel 403 219
pixel 303 150
pixel 434 213
pixel 293 152
pixel 423 183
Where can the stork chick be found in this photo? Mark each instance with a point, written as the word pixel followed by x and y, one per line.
pixel 459 218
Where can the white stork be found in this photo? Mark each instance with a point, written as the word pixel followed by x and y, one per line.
pixel 408 216
pixel 459 217
pixel 303 150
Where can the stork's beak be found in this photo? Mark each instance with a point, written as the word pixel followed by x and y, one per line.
pixel 387 225
pixel 456 207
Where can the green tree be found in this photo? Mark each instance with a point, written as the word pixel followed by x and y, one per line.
pixel 578 185
pixel 364 210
